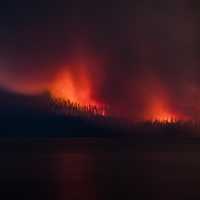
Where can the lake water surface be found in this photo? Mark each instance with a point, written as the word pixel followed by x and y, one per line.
pixel 98 169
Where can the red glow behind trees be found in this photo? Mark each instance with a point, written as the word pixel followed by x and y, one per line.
pixel 80 81
pixel 73 87
pixel 159 105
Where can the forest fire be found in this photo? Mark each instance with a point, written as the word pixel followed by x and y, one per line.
pixel 158 105
pixel 75 88
pixel 74 85
pixel 86 83
pixel 160 109
pixel 161 113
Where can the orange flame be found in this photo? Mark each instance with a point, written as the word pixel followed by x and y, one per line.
pixel 75 86
pixel 161 112
pixel 158 105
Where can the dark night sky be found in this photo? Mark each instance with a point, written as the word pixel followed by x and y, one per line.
pixel 145 49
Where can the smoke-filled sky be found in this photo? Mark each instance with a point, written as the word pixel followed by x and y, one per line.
pixel 141 58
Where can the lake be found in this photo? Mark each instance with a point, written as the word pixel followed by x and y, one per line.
pixel 98 169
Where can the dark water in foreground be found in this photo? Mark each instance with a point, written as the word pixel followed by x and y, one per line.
pixel 90 169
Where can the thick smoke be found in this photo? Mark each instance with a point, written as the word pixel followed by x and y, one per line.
pixel 140 58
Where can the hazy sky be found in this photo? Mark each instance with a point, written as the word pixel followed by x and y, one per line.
pixel 144 51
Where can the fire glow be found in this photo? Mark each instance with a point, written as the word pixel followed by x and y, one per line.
pixel 162 113
pixel 158 105
pixel 73 83
pixel 75 88
pixel 81 82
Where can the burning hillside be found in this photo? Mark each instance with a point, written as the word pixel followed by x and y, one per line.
pixel 91 82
